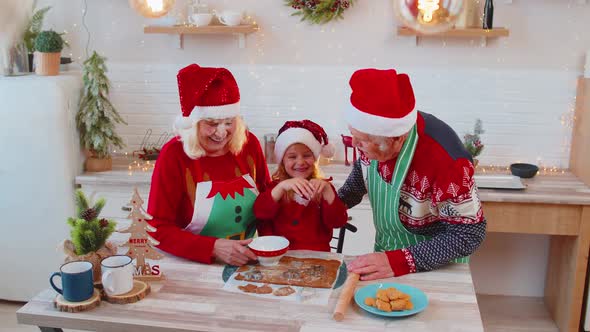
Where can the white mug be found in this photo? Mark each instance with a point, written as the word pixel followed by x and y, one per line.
pixel 117 274
pixel 201 19
pixel 230 18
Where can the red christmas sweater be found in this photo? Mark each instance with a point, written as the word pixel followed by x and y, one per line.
pixel 438 199
pixel 172 193
pixel 306 227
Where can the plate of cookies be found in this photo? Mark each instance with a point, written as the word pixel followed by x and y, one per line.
pixel 391 299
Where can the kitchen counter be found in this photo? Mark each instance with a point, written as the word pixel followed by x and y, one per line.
pixel 554 188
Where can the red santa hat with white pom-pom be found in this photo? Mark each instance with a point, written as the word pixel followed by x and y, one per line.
pixel 305 132
pixel 382 103
pixel 206 93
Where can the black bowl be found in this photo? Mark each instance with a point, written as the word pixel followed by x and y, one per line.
pixel 524 170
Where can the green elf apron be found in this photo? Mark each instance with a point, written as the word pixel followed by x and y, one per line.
pixel 390 232
pixel 223 209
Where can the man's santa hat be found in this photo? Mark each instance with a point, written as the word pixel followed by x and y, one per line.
pixel 206 93
pixel 382 103
pixel 305 132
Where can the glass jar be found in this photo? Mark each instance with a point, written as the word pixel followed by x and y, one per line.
pixel 16 61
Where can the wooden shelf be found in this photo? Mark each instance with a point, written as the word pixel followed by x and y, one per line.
pixel 514 313
pixel 484 34
pixel 241 31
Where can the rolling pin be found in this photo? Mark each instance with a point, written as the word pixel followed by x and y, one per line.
pixel 345 296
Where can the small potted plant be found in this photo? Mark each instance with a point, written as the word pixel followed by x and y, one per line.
pixel 96 117
pixel 89 234
pixel 48 46
pixel 33 29
pixel 472 141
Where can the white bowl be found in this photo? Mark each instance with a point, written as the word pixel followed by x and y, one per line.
pixel 201 19
pixel 269 249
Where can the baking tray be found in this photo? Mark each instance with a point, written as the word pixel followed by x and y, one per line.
pixel 499 182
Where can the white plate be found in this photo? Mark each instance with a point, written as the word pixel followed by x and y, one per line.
pixel 499 182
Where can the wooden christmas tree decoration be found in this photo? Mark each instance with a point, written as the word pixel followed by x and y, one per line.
pixel 140 243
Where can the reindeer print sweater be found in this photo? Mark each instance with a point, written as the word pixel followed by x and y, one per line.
pixel 438 199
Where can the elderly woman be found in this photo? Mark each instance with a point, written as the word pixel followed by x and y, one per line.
pixel 207 178
pixel 418 176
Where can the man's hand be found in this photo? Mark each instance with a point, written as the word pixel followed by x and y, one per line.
pixel 233 252
pixel 371 266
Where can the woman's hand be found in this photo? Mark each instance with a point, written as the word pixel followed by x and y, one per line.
pixel 233 252
pixel 371 266
pixel 298 185
pixel 322 189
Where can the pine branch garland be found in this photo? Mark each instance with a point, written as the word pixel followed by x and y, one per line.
pixel 99 205
pixel 87 232
pixel 319 11
pixel 472 142
pixel 81 202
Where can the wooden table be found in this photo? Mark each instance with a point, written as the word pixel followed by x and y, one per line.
pixel 557 205
pixel 191 299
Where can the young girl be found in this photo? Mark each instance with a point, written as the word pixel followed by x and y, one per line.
pixel 299 204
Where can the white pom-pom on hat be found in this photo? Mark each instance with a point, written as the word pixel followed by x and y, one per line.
pixel 328 151
pixel 183 123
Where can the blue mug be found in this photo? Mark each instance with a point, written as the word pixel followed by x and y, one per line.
pixel 76 280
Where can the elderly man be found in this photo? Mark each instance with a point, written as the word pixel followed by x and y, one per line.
pixel 418 176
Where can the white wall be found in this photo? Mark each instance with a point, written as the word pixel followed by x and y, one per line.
pixel 522 86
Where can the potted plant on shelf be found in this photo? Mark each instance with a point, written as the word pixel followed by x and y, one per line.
pixel 48 46
pixel 472 141
pixel 89 234
pixel 96 117
pixel 33 29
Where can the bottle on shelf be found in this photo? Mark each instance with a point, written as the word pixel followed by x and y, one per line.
pixel 488 14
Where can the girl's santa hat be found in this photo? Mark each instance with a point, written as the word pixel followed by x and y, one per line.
pixel 206 93
pixel 382 103
pixel 305 132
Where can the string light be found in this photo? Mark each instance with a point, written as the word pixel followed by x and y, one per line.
pixel 428 16
pixel 152 8
pixel 428 7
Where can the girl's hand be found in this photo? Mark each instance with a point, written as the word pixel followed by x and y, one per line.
pixel 322 189
pixel 298 185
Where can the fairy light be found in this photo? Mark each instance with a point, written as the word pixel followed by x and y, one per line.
pixel 156 5
pixel 427 9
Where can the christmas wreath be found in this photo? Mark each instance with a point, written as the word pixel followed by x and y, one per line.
pixel 319 11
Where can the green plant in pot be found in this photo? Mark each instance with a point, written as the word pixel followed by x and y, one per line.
pixel 48 46
pixel 89 234
pixel 472 142
pixel 33 29
pixel 97 117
